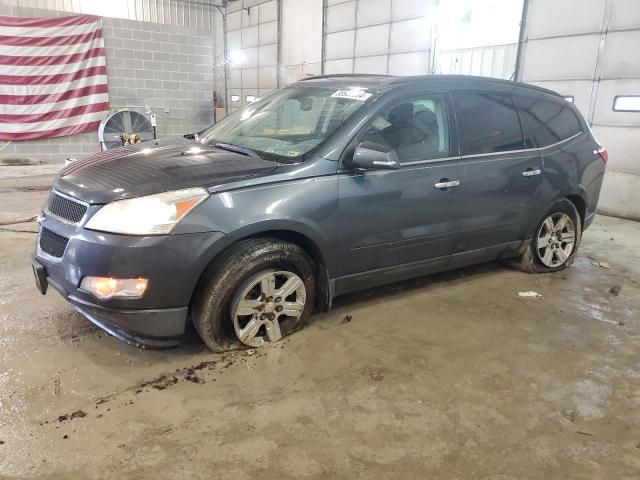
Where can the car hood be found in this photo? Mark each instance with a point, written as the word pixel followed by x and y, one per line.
pixel 137 170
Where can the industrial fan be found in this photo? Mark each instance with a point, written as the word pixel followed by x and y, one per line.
pixel 124 127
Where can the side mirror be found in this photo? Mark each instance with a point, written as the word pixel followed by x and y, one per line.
pixel 375 156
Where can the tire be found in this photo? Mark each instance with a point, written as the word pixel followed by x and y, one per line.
pixel 535 258
pixel 253 260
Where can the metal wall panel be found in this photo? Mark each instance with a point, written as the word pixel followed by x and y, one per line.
pixel 252 44
pixel 377 65
pixel 355 30
pixel 171 12
pixel 341 17
pixel 374 12
pixel 620 59
pixel 589 50
pixel 625 14
pixel 562 58
pixel 372 41
pixel 548 18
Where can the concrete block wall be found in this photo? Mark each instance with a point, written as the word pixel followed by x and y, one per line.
pixel 151 67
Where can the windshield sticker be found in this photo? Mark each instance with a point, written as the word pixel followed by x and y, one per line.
pixel 293 153
pixel 352 94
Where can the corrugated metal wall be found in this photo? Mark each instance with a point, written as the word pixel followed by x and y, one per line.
pixel 171 12
pixel 377 36
pixel 589 50
pixel 252 44
pixel 496 61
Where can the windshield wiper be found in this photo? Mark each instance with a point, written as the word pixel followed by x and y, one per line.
pixel 230 147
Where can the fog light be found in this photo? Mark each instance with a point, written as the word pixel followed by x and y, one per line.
pixel 107 287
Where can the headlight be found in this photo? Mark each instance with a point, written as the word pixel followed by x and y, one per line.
pixel 150 215
pixel 105 288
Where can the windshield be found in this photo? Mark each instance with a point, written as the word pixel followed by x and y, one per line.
pixel 288 123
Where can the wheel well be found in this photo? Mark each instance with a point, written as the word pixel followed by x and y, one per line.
pixel 580 205
pixel 323 298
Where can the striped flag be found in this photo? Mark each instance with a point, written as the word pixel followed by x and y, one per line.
pixel 53 76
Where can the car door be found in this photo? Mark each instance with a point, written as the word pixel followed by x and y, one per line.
pixel 394 224
pixel 503 178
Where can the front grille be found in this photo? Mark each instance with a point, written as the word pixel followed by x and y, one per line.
pixel 66 208
pixel 52 244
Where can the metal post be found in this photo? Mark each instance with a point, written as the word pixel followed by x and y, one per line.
pixel 323 52
pixel 517 74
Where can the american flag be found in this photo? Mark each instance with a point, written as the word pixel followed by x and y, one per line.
pixel 53 76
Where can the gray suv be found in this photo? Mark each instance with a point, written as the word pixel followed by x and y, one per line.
pixel 330 185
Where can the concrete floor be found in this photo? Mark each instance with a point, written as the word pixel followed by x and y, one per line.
pixel 452 376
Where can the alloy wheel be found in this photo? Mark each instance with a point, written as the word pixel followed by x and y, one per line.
pixel 266 305
pixel 556 240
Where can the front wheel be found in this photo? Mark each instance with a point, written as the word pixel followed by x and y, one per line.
pixel 555 241
pixel 258 291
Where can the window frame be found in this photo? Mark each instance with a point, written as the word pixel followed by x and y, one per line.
pixel 615 99
pixel 395 98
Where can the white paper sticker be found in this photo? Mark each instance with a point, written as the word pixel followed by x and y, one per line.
pixel 352 94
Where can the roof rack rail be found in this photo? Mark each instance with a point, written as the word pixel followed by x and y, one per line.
pixel 341 75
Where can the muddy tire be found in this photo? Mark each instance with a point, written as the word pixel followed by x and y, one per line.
pixel 554 243
pixel 234 282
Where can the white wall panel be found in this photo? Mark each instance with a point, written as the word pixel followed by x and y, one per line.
pixel 268 12
pixel 416 63
pixel 251 57
pixel 561 58
pixel 403 9
pixel 339 45
pixel 234 21
pixel 552 17
pixel 372 40
pixel 377 65
pixel 410 35
pixel 625 14
pixel 250 78
pixel 619 195
pixel 268 56
pixel 268 77
pixel 234 40
pixel 268 32
pixel 623 144
pixel 338 66
pixel 250 37
pixel 301 31
pixel 621 55
pixel 373 12
pixel 341 17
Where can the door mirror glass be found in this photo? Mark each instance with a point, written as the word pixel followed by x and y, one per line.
pixel 375 156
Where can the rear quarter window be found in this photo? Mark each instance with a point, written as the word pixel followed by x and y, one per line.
pixel 488 123
pixel 546 122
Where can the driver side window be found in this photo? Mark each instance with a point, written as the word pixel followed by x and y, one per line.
pixel 416 128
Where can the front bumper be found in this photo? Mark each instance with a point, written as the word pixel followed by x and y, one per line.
pixel 172 264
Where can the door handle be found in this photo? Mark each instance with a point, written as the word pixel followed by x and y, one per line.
pixel 529 172
pixel 446 184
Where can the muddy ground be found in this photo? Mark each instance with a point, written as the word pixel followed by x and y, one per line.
pixel 451 376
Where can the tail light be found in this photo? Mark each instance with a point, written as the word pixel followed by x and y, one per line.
pixel 604 155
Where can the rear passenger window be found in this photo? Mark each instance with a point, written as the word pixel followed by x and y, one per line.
pixel 545 122
pixel 488 123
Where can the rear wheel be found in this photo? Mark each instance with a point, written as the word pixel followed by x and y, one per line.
pixel 256 293
pixel 555 242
